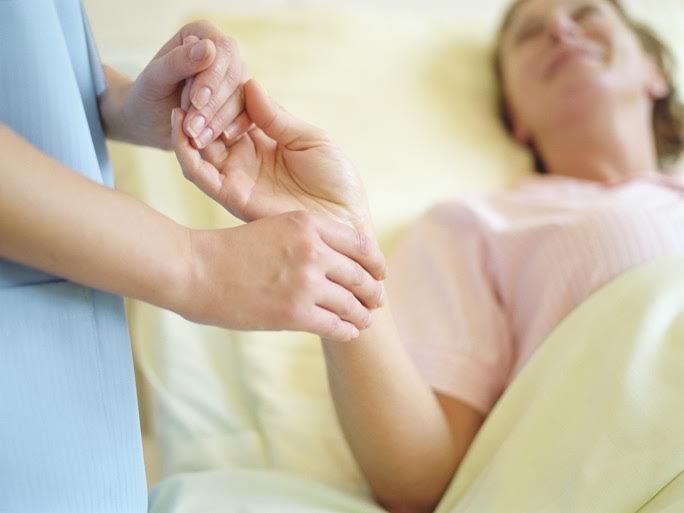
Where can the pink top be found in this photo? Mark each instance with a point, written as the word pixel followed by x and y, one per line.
pixel 477 285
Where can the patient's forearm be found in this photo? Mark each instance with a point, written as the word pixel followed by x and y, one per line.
pixel 55 220
pixel 391 418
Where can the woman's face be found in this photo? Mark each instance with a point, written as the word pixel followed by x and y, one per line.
pixel 560 57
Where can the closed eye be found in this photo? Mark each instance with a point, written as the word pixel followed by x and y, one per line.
pixel 527 32
pixel 584 12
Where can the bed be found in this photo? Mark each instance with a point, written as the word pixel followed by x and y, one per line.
pixel 406 88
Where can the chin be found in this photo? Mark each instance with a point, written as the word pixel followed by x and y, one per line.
pixel 579 97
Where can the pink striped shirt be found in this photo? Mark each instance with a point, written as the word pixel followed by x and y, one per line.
pixel 477 285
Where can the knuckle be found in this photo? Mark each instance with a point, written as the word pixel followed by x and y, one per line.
pixel 308 251
pixel 359 277
pixel 224 114
pixel 291 314
pixel 233 75
pixel 307 281
pixel 228 45
pixel 202 28
pixel 203 23
pixel 336 329
pixel 303 220
pixel 362 243
pixel 214 76
pixel 350 307
pixel 212 108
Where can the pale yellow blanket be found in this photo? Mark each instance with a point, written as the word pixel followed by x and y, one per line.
pixel 594 423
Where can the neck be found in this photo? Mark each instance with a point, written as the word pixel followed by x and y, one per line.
pixel 606 144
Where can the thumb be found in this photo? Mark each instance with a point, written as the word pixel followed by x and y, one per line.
pixel 276 122
pixel 182 62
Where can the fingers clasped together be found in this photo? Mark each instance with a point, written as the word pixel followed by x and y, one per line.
pixel 324 269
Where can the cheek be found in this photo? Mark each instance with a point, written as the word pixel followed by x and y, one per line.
pixel 520 79
pixel 636 62
pixel 518 71
pixel 627 61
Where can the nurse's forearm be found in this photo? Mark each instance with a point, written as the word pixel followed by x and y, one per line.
pixel 54 219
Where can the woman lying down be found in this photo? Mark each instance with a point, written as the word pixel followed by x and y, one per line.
pixel 477 285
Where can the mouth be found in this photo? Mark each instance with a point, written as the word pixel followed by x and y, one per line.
pixel 566 56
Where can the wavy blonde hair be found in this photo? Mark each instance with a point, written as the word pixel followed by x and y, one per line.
pixel 668 112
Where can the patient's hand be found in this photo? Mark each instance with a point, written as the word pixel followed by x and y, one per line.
pixel 199 64
pixel 281 165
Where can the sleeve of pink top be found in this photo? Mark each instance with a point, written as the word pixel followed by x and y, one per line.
pixel 446 307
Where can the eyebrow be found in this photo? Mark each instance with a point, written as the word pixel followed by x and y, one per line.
pixel 524 25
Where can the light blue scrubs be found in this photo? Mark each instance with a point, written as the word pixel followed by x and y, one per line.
pixel 69 428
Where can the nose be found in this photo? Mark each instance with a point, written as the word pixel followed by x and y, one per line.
pixel 561 29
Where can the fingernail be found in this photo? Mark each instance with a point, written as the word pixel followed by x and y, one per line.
pixel 173 119
pixel 196 125
pixel 232 130
pixel 201 98
pixel 355 332
pixel 199 50
pixel 205 137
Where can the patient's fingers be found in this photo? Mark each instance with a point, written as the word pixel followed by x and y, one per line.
pixel 275 121
pixel 235 121
pixel 232 111
pixel 210 91
pixel 225 116
pixel 185 95
pixel 215 153
pixel 197 170
pixel 208 123
pixel 227 68
pixel 242 124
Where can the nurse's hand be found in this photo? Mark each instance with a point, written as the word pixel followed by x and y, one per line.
pixel 287 272
pixel 283 164
pixel 139 112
